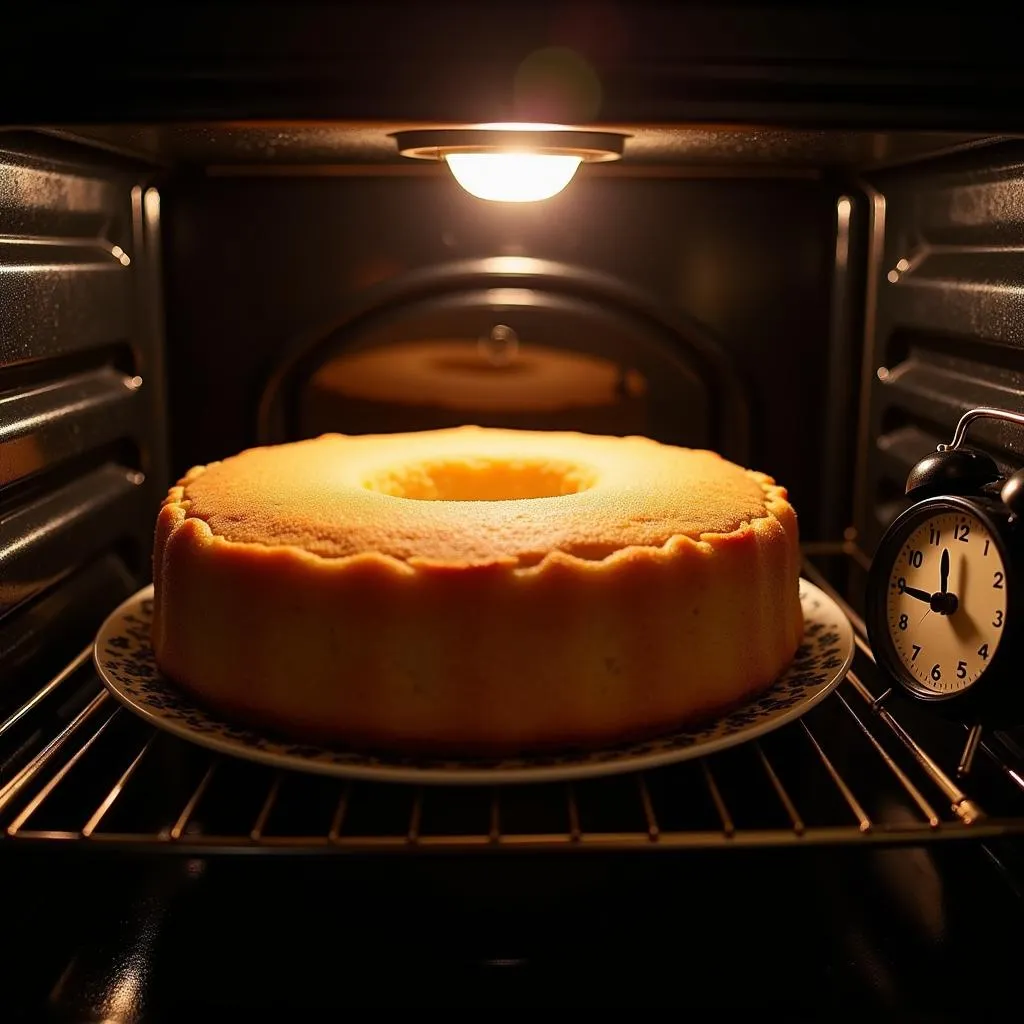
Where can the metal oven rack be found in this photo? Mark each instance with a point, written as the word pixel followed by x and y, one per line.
pixel 78 769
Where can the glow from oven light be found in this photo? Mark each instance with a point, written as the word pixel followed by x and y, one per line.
pixel 513 177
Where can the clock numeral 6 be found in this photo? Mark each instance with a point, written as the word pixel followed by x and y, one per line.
pixel 961 670
pixel 936 673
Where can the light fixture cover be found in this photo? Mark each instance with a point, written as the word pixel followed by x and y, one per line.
pixel 512 177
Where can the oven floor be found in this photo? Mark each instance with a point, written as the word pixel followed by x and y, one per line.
pixel 839 935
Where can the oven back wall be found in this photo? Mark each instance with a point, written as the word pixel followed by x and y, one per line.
pixel 252 264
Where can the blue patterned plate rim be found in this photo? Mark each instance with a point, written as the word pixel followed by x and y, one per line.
pixel 125 662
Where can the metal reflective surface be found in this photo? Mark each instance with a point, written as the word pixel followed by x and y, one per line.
pixel 946 328
pixel 43 426
pixel 82 459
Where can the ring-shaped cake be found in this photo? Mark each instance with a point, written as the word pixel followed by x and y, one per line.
pixel 473 590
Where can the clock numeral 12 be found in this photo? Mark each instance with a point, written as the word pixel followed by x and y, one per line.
pixel 961 532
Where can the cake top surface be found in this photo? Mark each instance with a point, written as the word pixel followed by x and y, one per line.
pixel 472 495
pixel 462 375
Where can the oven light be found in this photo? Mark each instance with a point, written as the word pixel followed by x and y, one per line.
pixel 512 177
pixel 512 163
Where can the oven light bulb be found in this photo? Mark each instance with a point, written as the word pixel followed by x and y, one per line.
pixel 513 177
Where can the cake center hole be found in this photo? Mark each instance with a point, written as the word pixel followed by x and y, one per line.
pixel 482 479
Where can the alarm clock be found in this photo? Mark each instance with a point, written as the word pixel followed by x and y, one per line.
pixel 945 590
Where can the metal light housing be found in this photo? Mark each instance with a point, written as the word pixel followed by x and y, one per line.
pixel 512 163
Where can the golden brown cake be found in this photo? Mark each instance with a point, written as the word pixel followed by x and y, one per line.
pixel 418 385
pixel 475 590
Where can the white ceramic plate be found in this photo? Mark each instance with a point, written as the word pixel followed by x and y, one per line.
pixel 125 662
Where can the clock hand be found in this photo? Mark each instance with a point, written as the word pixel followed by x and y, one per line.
pixel 921 595
pixel 942 601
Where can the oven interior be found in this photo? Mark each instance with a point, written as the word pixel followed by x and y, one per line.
pixel 820 304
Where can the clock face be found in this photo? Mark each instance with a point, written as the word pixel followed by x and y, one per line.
pixel 946 602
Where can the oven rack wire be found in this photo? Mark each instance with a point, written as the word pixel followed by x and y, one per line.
pixel 78 769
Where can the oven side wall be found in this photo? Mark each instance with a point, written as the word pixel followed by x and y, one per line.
pixel 944 320
pixel 82 451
